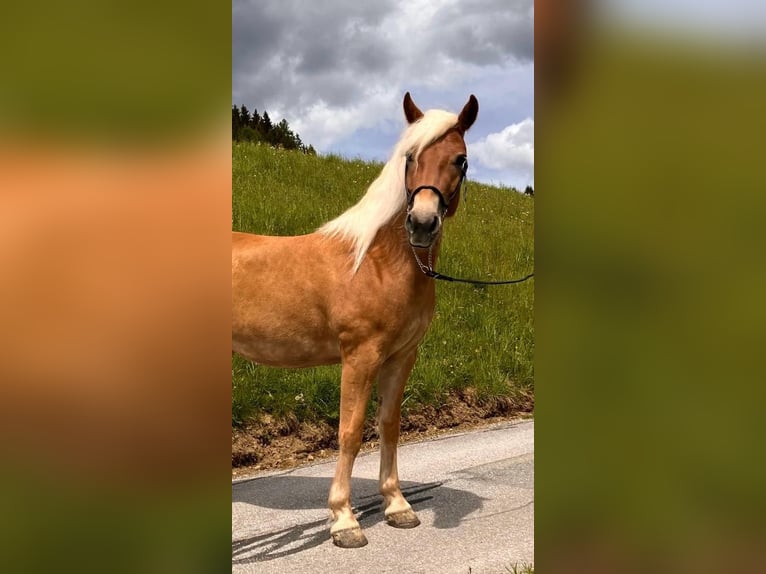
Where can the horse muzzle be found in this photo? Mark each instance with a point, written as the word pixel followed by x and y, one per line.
pixel 422 230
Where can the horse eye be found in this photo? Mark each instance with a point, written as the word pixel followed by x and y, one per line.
pixel 462 162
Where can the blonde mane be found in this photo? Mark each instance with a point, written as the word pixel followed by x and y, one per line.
pixel 385 197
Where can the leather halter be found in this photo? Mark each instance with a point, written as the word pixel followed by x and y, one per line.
pixel 443 201
pixel 428 270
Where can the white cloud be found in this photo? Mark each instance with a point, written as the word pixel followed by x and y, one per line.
pixel 337 70
pixel 511 151
pixel 302 58
pixel 323 125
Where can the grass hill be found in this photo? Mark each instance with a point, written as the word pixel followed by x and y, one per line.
pixel 480 345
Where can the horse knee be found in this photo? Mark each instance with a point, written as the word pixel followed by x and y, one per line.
pixel 350 441
pixel 387 417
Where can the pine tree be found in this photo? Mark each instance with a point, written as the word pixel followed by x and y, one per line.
pixel 251 127
pixel 244 115
pixel 255 121
pixel 266 127
pixel 285 137
pixel 235 123
pixel 248 134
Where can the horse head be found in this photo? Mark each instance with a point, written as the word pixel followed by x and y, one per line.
pixel 433 176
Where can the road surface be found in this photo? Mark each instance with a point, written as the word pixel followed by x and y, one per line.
pixel 473 492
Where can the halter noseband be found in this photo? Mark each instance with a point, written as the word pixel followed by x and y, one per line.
pixel 443 202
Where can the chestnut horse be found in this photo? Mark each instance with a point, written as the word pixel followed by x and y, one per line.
pixel 353 293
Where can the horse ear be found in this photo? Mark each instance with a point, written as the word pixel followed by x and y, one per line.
pixel 468 114
pixel 411 111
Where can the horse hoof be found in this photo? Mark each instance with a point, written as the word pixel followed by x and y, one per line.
pixel 349 538
pixel 404 519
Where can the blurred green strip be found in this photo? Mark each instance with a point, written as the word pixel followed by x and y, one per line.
pixel 651 321
pixel 60 526
pixel 114 72
pixel 114 69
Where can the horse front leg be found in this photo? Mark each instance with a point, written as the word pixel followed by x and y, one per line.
pixel 393 376
pixel 360 369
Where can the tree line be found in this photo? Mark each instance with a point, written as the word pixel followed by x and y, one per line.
pixel 252 127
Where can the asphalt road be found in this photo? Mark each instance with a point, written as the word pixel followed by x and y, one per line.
pixel 473 492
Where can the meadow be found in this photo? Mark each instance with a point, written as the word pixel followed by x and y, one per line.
pixel 481 342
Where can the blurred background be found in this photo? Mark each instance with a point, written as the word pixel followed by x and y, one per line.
pixel 115 179
pixel 650 324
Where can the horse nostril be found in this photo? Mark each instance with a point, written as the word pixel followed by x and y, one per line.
pixel 434 224
pixel 408 223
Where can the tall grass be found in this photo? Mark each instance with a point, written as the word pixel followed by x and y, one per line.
pixel 481 337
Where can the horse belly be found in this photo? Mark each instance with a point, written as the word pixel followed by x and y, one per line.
pixel 279 316
pixel 281 351
pixel 283 335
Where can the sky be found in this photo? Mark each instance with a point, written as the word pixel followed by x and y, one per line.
pixel 338 70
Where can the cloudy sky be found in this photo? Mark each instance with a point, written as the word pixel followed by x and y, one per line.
pixel 337 70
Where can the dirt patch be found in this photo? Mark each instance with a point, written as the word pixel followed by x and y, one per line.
pixel 276 443
pixel 271 443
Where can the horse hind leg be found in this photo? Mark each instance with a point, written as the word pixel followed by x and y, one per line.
pixel 393 377
pixel 359 371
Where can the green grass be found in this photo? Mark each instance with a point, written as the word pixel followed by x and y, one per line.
pixel 481 337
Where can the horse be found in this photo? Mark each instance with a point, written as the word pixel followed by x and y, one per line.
pixel 354 293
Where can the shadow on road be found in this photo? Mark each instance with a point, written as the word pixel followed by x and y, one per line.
pixel 449 505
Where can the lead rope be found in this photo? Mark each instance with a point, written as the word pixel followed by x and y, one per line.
pixel 430 272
